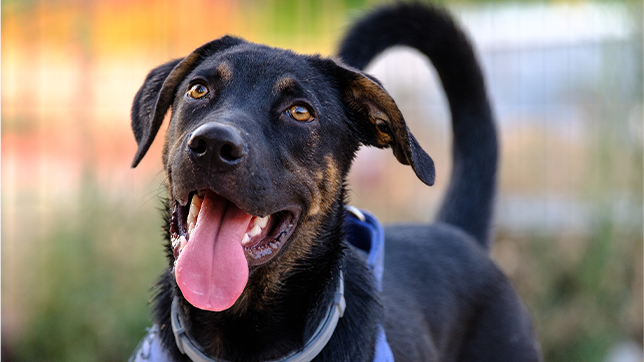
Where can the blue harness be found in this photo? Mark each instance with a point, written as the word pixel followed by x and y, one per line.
pixel 363 231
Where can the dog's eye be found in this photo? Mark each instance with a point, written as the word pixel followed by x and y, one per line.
pixel 197 91
pixel 299 113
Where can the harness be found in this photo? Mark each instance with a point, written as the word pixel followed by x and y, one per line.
pixel 364 232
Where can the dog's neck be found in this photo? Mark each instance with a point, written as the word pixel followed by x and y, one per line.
pixel 311 349
pixel 264 325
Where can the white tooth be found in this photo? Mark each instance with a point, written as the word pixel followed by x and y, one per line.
pixel 246 239
pixel 183 242
pixel 197 200
pixel 256 230
pixel 195 207
pixel 261 221
pixel 191 228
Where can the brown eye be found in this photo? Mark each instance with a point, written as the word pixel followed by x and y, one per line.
pixel 197 91
pixel 300 113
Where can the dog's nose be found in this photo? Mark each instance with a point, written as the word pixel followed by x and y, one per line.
pixel 223 144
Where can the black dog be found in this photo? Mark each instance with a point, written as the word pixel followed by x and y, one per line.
pixel 262 252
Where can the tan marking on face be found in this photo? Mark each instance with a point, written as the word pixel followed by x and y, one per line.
pixel 312 182
pixel 315 205
pixel 283 84
pixel 333 177
pixel 328 185
pixel 225 72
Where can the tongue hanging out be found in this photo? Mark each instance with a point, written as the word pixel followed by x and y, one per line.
pixel 212 270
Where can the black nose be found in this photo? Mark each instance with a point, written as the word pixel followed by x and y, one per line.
pixel 221 144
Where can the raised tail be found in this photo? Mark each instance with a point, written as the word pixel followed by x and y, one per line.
pixel 468 202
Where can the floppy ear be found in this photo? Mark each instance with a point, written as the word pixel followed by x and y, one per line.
pixel 156 95
pixel 378 120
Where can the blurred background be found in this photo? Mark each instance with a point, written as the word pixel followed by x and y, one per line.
pixel 81 239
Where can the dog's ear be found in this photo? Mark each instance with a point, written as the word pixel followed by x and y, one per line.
pixel 377 119
pixel 156 95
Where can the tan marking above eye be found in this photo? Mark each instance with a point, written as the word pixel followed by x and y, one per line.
pixel 300 113
pixel 197 91
pixel 225 72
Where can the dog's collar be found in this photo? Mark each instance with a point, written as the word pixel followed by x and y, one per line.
pixel 311 349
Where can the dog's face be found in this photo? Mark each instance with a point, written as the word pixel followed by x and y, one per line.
pixel 258 147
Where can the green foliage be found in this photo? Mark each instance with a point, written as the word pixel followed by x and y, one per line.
pixel 88 298
pixel 582 307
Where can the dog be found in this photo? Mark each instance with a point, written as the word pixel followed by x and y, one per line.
pixel 266 262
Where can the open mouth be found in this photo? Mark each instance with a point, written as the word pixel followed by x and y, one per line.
pixel 261 240
pixel 214 243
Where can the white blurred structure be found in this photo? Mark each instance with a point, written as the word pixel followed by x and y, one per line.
pixel 625 352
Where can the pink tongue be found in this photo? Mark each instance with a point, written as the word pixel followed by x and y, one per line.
pixel 212 270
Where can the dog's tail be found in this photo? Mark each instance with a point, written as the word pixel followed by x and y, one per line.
pixel 469 200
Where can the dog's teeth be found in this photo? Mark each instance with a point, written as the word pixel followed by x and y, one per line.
pixel 261 221
pixel 195 207
pixel 183 242
pixel 191 228
pixel 246 239
pixel 256 230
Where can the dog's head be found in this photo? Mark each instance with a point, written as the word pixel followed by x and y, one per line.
pixel 259 144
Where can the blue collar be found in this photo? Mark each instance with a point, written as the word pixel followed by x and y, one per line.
pixel 364 232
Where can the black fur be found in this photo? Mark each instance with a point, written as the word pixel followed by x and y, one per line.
pixel 443 298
